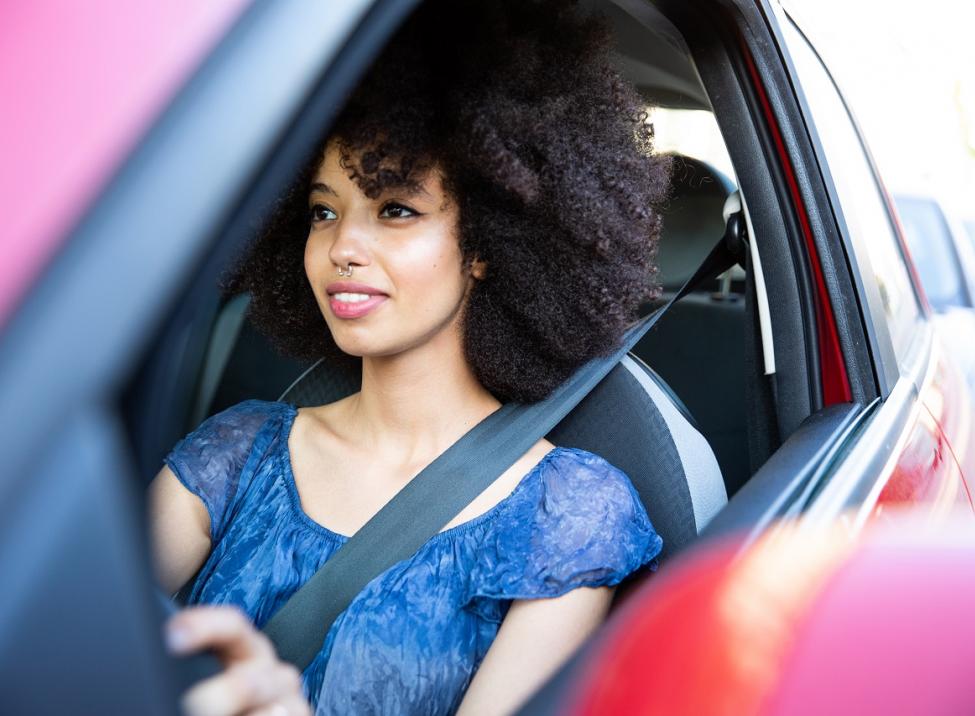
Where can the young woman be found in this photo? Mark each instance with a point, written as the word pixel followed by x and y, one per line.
pixel 479 223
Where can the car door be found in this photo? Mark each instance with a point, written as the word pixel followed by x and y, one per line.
pixel 893 405
pixel 79 629
pixel 915 450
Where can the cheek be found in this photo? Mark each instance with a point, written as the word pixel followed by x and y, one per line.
pixel 433 268
pixel 316 259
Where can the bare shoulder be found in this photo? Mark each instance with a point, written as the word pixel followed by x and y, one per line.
pixel 505 484
pixel 530 459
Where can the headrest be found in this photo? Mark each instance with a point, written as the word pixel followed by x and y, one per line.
pixel 692 219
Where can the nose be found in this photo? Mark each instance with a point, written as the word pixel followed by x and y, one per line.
pixel 351 244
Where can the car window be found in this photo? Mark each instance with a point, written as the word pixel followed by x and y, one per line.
pixel 929 240
pixel 861 204
pixel 693 133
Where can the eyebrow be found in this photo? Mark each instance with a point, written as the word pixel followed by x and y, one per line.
pixel 324 188
pixel 409 189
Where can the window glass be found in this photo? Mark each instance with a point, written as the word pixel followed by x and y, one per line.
pixel 929 240
pixel 861 202
pixel 693 133
pixel 693 219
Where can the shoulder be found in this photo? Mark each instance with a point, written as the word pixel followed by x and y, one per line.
pixel 210 461
pixel 228 436
pixel 243 419
pixel 233 429
pixel 582 484
pixel 578 522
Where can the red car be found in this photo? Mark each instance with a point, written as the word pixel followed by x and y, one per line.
pixel 140 143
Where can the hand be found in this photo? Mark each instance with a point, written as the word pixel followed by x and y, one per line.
pixel 254 683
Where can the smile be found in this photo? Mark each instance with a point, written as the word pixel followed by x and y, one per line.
pixel 351 297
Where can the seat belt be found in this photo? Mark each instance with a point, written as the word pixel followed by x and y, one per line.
pixel 440 491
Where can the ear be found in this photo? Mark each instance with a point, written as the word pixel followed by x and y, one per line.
pixel 479 269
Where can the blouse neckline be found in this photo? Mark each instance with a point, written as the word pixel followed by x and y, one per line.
pixel 287 424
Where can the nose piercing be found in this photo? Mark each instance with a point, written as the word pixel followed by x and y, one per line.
pixel 347 273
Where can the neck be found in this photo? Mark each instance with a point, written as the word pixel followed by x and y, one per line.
pixel 420 401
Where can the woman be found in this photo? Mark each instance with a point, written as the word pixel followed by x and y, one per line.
pixel 478 224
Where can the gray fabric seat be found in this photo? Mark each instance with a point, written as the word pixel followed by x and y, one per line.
pixel 699 346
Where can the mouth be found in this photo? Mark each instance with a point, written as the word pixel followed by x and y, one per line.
pixel 353 300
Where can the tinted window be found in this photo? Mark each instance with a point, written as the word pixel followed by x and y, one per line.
pixel 929 240
pixel 862 204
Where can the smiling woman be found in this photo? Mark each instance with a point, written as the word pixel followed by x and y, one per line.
pixel 477 225
pixel 398 246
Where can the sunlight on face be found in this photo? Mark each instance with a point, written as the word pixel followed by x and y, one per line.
pixel 407 284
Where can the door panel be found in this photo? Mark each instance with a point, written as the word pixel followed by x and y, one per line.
pixel 950 402
pixel 926 474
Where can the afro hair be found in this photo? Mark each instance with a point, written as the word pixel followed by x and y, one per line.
pixel 549 154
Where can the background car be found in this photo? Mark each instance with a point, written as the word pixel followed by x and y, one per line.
pixel 941 251
pixel 812 372
pixel 945 260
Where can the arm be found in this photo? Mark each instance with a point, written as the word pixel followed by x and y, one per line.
pixel 535 639
pixel 253 681
pixel 179 528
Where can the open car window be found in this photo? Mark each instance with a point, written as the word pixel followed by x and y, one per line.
pixel 708 351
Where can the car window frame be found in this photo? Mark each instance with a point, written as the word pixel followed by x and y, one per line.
pixel 77 336
pixel 850 485
pixel 889 370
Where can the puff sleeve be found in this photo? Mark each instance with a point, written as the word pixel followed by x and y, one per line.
pixel 210 460
pixel 583 526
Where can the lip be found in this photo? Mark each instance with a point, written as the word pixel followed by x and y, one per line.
pixel 351 287
pixel 353 310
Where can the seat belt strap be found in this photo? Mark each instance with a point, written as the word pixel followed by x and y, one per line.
pixel 439 492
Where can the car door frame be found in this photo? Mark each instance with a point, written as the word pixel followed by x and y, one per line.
pixel 894 459
pixel 79 603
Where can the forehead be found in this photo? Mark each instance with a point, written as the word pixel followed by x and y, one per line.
pixel 339 176
pixel 330 165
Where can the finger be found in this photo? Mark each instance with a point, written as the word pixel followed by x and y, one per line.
pixel 295 706
pixel 243 688
pixel 224 629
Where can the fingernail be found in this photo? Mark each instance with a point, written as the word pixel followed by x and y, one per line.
pixel 177 639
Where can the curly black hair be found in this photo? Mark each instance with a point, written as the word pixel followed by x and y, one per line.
pixel 548 152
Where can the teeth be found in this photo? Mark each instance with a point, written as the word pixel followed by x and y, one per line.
pixel 351 297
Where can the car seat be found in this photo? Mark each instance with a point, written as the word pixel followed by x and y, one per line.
pixel 699 346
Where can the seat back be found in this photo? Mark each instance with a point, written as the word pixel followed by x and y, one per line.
pixel 699 346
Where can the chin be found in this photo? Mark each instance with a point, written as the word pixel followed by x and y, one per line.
pixel 363 348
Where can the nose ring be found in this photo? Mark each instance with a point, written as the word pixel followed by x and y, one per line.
pixel 347 273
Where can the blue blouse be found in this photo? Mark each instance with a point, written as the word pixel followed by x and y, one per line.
pixel 412 640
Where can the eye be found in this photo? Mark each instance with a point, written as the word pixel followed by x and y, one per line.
pixel 395 210
pixel 320 212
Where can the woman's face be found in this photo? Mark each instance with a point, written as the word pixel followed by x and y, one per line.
pixel 407 285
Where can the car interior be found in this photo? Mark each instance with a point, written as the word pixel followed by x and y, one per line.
pixel 728 379
pixel 702 355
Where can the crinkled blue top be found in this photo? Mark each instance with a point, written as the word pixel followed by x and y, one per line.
pixel 413 638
